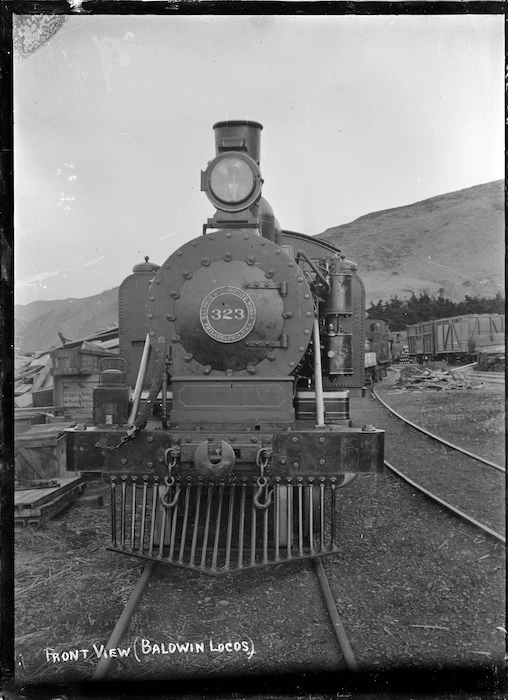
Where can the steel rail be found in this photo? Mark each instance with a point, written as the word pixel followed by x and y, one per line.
pixel 456 511
pixel 436 437
pixel 102 667
pixel 338 627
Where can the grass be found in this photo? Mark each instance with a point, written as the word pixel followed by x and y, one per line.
pixel 70 590
pixel 471 418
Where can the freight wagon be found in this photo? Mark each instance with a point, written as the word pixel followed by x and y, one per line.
pixel 455 339
pixel 378 353
pixel 398 340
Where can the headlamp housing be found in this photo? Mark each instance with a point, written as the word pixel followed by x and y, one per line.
pixel 232 181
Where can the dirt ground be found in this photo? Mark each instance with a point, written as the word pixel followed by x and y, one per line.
pixel 473 419
pixel 416 590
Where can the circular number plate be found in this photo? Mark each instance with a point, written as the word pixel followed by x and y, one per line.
pixel 227 314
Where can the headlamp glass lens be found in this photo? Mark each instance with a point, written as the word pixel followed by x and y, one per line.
pixel 231 180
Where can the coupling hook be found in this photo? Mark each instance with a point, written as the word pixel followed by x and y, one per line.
pixel 262 482
pixel 169 483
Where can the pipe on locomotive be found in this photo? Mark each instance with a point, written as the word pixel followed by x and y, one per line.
pixel 140 379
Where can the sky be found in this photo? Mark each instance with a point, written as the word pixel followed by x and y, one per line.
pixel 113 123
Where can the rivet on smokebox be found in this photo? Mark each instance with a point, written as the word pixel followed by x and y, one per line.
pixel 149 438
pixel 368 429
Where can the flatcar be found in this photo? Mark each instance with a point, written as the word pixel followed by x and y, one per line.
pixel 456 339
pixel 224 426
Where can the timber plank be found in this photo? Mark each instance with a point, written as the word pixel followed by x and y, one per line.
pixel 35 516
pixel 36 498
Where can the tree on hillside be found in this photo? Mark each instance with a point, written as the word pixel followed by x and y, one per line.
pixel 401 313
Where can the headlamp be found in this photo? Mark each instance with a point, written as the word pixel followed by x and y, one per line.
pixel 232 181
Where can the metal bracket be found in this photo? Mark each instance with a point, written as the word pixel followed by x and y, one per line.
pixel 282 343
pixel 281 286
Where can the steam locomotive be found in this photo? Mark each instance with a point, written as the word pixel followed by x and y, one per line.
pixel 378 349
pixel 224 424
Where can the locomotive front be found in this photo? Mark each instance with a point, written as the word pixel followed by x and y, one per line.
pixel 225 425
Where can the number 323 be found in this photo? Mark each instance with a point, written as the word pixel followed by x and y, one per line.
pixel 227 314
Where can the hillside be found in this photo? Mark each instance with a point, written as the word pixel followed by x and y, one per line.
pixel 453 244
pixel 37 324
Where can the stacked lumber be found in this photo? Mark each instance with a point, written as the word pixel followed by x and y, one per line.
pixel 427 379
pixel 32 373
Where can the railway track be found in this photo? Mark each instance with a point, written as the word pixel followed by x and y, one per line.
pixel 459 481
pixel 103 668
pixel 474 476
